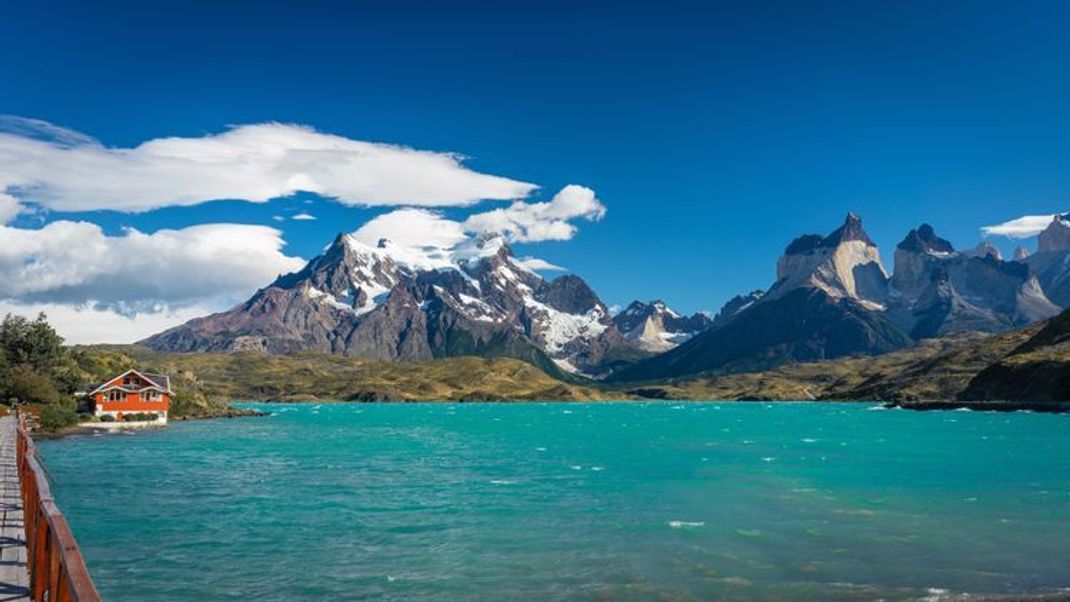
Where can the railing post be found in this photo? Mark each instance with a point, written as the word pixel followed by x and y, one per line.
pixel 38 578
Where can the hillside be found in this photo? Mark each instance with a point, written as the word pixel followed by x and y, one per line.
pixel 316 376
pixel 935 369
pixel 1037 370
pixel 1029 364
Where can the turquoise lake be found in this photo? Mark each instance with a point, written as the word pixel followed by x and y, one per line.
pixel 612 501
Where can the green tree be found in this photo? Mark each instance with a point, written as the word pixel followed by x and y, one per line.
pixel 35 367
pixel 33 343
pixel 23 383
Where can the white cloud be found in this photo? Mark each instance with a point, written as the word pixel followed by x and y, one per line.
pixel 412 228
pixel 9 208
pixel 68 171
pixel 278 218
pixel 533 222
pixel 88 324
pixel 1023 227
pixel 304 217
pixel 520 222
pixel 76 263
pixel 534 263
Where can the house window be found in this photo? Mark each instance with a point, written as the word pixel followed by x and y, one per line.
pixel 150 395
pixel 116 395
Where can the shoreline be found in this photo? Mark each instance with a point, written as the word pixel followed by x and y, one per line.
pixel 1045 407
pixel 89 429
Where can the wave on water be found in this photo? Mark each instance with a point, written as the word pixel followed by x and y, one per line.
pixel 683 524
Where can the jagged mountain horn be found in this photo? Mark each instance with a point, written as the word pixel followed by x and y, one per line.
pixel 655 327
pixel 397 302
pixel 844 264
pixel 1051 262
pixel 1056 237
pixel 827 302
pixel 936 290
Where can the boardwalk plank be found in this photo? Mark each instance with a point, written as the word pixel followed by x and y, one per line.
pixel 14 580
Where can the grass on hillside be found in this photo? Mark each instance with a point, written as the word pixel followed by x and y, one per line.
pixel 314 376
pixel 936 369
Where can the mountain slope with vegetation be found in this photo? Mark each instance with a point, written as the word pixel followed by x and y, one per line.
pixel 1036 370
pixel 1025 368
pixel 309 376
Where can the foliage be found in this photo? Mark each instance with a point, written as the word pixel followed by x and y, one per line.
pixel 35 367
pixel 35 344
pixel 140 417
pixel 203 383
pixel 57 416
pixel 23 383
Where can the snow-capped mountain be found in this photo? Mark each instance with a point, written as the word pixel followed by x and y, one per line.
pixel 655 327
pixel 392 301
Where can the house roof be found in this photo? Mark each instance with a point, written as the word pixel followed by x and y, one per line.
pixel 161 380
pixel 158 381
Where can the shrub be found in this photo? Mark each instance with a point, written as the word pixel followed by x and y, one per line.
pixel 57 416
pixel 27 385
pixel 139 417
pixel 107 418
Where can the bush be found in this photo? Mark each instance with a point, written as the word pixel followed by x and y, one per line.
pixel 57 416
pixel 107 418
pixel 139 417
pixel 27 385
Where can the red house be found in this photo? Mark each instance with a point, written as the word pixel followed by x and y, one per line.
pixel 133 392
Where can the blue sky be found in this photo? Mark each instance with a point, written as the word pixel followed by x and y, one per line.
pixel 713 133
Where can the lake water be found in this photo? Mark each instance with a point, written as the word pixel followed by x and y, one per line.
pixel 624 501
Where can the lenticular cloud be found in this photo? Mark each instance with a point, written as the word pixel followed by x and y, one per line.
pixel 68 171
pixel 1022 227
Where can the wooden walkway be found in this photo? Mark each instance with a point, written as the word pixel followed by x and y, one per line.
pixel 14 580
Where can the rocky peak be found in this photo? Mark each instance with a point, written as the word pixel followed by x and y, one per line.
pixel 985 249
pixel 637 312
pixel 654 326
pixel 846 263
pixel 934 293
pixel 923 239
pixel 1020 254
pixel 570 294
pixel 736 305
pixel 1056 237
pixel 850 230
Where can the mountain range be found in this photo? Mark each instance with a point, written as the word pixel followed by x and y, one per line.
pixel 832 297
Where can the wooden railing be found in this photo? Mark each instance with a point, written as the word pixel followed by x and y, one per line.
pixel 57 569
